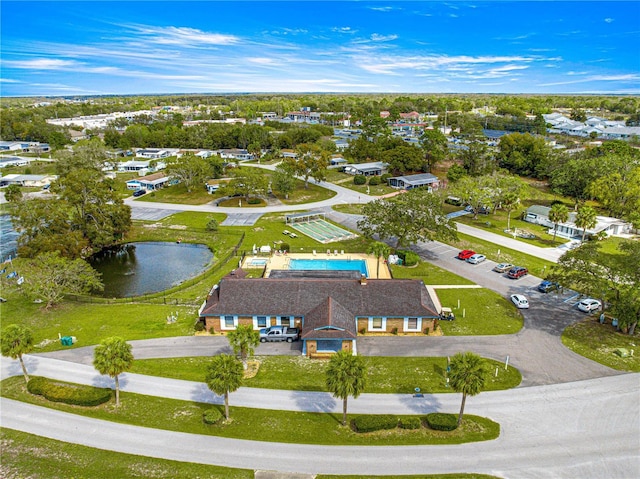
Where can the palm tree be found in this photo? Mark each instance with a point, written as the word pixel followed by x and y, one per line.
pixel 585 218
pixel 379 250
pixel 16 341
pixel 243 340
pixel 224 375
pixel 509 202
pixel 559 213
pixel 112 357
pixel 467 376
pixel 346 376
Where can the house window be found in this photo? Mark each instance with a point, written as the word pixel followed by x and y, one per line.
pixel 261 322
pixel 376 324
pixel 412 324
pixel 228 322
pixel 285 321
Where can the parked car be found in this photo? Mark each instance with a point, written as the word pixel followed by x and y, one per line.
pixel 589 305
pixel 517 272
pixel 139 192
pixel 279 333
pixel 520 301
pixel 476 258
pixel 453 200
pixel 466 254
pixel 502 267
pixel 547 286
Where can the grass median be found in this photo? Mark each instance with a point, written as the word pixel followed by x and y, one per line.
pixel 256 424
pixel 386 375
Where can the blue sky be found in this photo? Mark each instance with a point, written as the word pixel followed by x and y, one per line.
pixel 76 48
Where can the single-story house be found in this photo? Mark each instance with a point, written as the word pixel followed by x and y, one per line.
pixel 331 311
pixel 14 161
pixel 538 214
pixel 14 146
pixel 235 154
pixel 337 160
pixel 149 182
pixel 31 181
pixel 422 180
pixel 153 153
pixel 375 168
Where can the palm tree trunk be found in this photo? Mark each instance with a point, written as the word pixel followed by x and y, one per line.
pixel 24 369
pixel 464 399
pixel 117 391
pixel 555 232
pixel 378 270
pixel 226 405
pixel 584 233
pixel 509 220
pixel 344 412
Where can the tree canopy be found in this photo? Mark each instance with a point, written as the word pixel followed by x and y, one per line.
pixel 416 215
pixel 112 357
pixel 17 340
pixel 244 340
pixel 346 376
pixel 467 375
pixel 224 375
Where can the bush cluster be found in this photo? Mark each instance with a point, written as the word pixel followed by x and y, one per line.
pixel 410 422
pixel 441 421
pixel 199 326
pixel 385 178
pixel 211 416
pixel 254 201
pixel 285 247
pixel 375 422
pixel 374 181
pixel 359 180
pixel 409 258
pixel 68 393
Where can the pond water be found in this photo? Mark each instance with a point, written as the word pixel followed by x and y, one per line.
pixel 8 238
pixel 141 268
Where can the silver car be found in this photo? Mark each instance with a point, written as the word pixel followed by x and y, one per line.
pixel 476 258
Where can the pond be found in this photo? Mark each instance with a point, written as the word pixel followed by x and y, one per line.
pixel 141 268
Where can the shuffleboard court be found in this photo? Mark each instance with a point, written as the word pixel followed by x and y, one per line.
pixel 322 231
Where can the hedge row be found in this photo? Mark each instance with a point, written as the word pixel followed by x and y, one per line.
pixel 409 258
pixel 68 393
pixel 436 421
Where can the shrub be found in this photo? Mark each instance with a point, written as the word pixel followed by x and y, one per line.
pixel 410 422
pixel 68 393
pixel 211 416
pixel 411 259
pixel 375 181
pixel 254 201
pixel 394 330
pixel 442 422
pixel 285 247
pixel 375 422
pixel 212 225
pixel 385 178
pixel 199 326
pixel 359 180
pixel 363 330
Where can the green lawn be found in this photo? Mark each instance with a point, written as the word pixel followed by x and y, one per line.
pixel 301 195
pixel 461 475
pixel 192 219
pixel 255 424
pixel 485 313
pixel 597 341
pixel 350 209
pixel 179 194
pixel 429 273
pixel 392 375
pixel 29 456
pixel 346 181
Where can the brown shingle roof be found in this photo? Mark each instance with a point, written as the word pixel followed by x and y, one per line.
pixel 272 296
pixel 329 320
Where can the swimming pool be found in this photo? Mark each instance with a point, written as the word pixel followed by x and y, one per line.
pixel 257 262
pixel 330 264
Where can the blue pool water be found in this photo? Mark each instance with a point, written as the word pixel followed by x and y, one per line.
pixel 330 264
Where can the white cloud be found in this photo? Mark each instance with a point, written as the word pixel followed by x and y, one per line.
pixel 376 37
pixel 348 30
pixel 183 36
pixel 262 61
pixel 8 80
pixel 382 9
pixel 630 77
pixel 608 20
pixel 42 64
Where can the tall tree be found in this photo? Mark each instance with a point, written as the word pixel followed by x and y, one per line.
pixel 585 219
pixel 416 215
pixel 113 357
pixel 244 340
pixel 13 193
pixel 559 213
pixel 311 162
pixel 467 375
pixel 510 201
pixel 346 376
pixel 16 341
pixel 247 181
pixel 191 170
pixel 224 375
pixel 284 180
pixel 51 276
pixel 435 147
pixel 379 250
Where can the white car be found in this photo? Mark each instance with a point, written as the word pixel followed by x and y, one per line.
pixel 588 305
pixel 520 301
pixel 476 258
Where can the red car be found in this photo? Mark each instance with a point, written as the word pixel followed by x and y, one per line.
pixel 517 272
pixel 466 254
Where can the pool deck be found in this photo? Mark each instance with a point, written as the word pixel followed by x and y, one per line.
pixel 281 261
